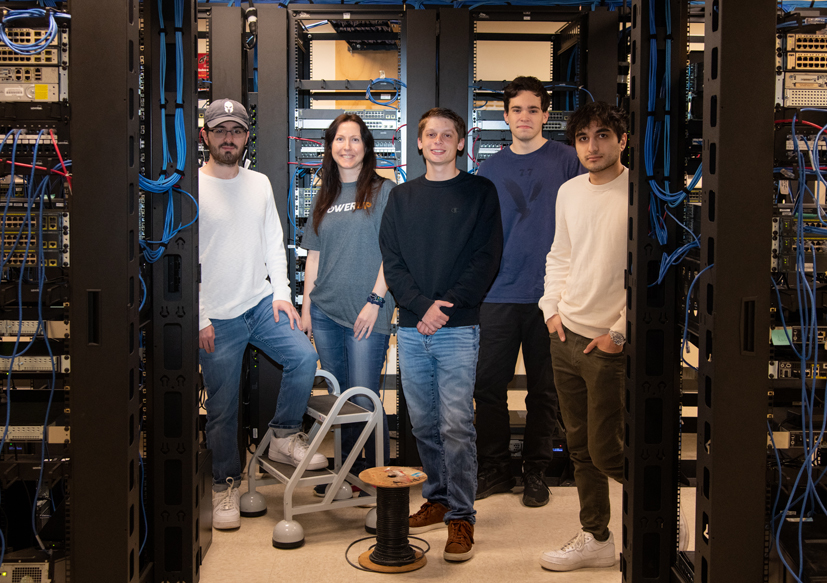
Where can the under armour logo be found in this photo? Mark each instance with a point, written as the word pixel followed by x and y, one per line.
pixel 228 106
pixel 454 210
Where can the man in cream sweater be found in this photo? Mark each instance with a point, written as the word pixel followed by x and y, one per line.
pixel 584 306
pixel 245 298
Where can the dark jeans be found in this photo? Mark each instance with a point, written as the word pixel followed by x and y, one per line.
pixel 503 327
pixel 590 387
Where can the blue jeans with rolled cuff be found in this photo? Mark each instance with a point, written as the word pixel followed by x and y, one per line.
pixel 222 372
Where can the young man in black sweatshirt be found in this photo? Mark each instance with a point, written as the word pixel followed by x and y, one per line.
pixel 441 240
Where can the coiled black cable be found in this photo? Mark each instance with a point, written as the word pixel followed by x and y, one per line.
pixel 392 548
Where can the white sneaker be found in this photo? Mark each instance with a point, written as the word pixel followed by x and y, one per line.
pixel 225 509
pixel 292 450
pixel 581 551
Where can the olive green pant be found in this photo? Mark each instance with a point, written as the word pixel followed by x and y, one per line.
pixel 590 389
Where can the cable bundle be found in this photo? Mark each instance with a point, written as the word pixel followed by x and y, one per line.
pixel 807 350
pixel 35 192
pixel 657 136
pixel 39 45
pixel 166 184
pixel 397 85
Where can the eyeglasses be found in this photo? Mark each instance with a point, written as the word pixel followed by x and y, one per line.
pixel 221 132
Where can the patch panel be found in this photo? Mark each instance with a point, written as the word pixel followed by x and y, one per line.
pixel 55 434
pixel 37 364
pixel 18 221
pixel 320 119
pixel 807 42
pixel 488 149
pixel 47 57
pixel 805 143
pixel 384 147
pixel 54 329
pixel 28 36
pixel 493 120
pixel 29 260
pixel 809 61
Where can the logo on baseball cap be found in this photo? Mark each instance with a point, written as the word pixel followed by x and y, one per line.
pixel 221 110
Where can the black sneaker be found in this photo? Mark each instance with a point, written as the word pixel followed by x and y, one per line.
pixel 535 491
pixel 494 481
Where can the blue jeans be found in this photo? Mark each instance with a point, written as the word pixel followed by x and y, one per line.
pixel 354 363
pixel 438 374
pixel 222 372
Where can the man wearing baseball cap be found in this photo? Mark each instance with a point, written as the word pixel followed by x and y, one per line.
pixel 245 298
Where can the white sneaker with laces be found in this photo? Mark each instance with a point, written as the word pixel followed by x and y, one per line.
pixel 292 450
pixel 580 552
pixel 225 509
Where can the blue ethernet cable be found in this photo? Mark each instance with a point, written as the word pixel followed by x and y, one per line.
pixel 39 45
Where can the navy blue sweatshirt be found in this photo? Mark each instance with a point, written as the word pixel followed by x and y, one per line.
pixel 441 241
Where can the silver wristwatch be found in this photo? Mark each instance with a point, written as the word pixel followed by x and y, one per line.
pixel 617 337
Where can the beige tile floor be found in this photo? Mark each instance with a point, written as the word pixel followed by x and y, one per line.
pixel 509 539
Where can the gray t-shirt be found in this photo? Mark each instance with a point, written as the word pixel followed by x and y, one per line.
pixel 349 257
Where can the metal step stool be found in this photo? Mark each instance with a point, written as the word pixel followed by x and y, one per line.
pixel 330 412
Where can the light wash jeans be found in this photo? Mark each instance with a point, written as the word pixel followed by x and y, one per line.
pixel 354 363
pixel 222 373
pixel 438 374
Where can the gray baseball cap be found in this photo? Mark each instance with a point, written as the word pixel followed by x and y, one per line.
pixel 221 110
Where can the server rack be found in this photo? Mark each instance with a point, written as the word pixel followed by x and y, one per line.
pixel 732 385
pixel 385 123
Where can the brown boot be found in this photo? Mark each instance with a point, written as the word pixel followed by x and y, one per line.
pixel 430 516
pixel 460 545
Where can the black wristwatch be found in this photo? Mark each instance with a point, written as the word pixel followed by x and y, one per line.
pixel 375 298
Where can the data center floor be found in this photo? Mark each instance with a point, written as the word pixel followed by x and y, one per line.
pixel 509 538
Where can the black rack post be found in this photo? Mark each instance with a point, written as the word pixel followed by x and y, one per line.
pixel 105 294
pixel 419 54
pixel 601 30
pixel 226 27
pixel 734 306
pixel 650 492
pixel 272 110
pixel 175 467
pixel 456 42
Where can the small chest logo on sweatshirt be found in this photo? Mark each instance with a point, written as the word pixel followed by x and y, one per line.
pixel 455 210
pixel 341 208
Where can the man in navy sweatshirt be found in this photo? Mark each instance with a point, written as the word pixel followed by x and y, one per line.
pixel 527 175
pixel 441 242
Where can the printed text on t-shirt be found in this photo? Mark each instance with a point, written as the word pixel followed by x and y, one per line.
pixel 339 208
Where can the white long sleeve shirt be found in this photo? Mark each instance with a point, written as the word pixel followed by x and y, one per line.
pixel 240 245
pixel 585 267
